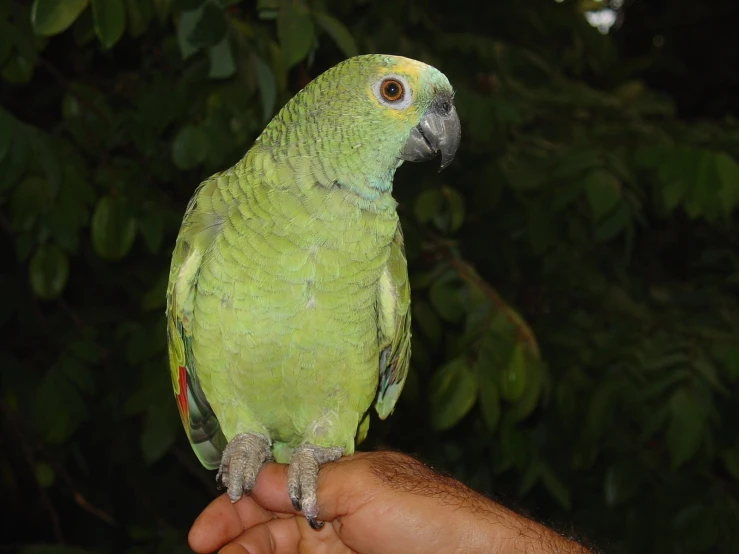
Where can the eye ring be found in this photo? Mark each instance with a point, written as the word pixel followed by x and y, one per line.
pixel 392 90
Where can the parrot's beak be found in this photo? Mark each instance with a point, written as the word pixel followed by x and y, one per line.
pixel 438 131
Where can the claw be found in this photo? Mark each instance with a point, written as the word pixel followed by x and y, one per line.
pixel 242 459
pixel 302 478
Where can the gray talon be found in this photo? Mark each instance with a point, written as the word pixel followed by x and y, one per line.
pixel 302 478
pixel 242 459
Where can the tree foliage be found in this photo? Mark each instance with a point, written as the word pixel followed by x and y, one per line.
pixel 574 272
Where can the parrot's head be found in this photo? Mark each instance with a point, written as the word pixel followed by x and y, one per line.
pixel 365 116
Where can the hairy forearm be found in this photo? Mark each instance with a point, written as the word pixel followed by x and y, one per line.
pixel 468 522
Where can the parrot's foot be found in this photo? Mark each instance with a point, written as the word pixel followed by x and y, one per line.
pixel 242 459
pixel 302 478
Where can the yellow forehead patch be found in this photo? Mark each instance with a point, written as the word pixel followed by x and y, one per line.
pixel 407 67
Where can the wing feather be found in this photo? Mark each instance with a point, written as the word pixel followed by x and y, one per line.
pixel 394 316
pixel 199 227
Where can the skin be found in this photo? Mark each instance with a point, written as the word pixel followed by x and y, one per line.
pixel 380 502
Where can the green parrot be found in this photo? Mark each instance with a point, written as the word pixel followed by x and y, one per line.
pixel 288 305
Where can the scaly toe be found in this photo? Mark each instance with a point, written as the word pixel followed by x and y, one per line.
pixel 242 459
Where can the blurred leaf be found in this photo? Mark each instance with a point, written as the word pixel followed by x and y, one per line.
pixel 696 529
pixel 186 24
pixel 109 18
pixel 622 482
pixel 687 426
pixel 456 208
pixel 428 204
pixel 446 300
pixel 44 475
pixel 48 272
pixel 730 457
pixel 267 87
pixel 140 13
pixel 513 377
pixel 189 147
pixel 603 191
pixel 51 17
pixel 7 126
pixel 113 228
pixel 528 401
pixel 58 408
pixel 489 400
pixel 151 227
pixel 161 426
pixel 222 64
pixel 452 394
pixel 425 318
pixel 295 31
pixel 556 487
pixel 210 27
pixel 338 32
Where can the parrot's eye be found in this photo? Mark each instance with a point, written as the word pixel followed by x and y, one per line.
pixel 392 90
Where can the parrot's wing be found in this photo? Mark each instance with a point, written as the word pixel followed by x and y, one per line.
pixel 395 327
pixel 199 227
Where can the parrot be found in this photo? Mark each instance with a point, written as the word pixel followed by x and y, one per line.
pixel 288 301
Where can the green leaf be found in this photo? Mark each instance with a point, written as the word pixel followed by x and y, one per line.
pixel 336 29
pixel 603 191
pixel 696 529
pixel 727 170
pixel 456 208
pixel 687 426
pixel 44 474
pixel 294 31
pixel 452 394
pixel 161 426
pixel 615 223
pixel 221 59
pixel 185 26
pixel 446 299
pixel 730 458
pixel 140 13
pixel 190 147
pixel 210 27
pixel 151 227
pixel 51 17
pixel 57 408
pixel 31 198
pixel 267 87
pixel 555 486
pixel 18 69
pixel 48 272
pixel 573 163
pixel 426 319
pixel 523 407
pixel 622 482
pixel 113 228
pixel 513 378
pixel 428 204
pixel 489 399
pixel 7 128
pixel 109 21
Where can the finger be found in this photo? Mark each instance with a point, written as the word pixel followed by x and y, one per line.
pixel 222 521
pixel 278 536
pixel 342 486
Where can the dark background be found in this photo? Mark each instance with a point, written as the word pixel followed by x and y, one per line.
pixel 575 271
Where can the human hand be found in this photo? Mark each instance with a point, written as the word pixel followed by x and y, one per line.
pixel 380 502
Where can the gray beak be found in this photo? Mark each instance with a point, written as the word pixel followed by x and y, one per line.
pixel 438 131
